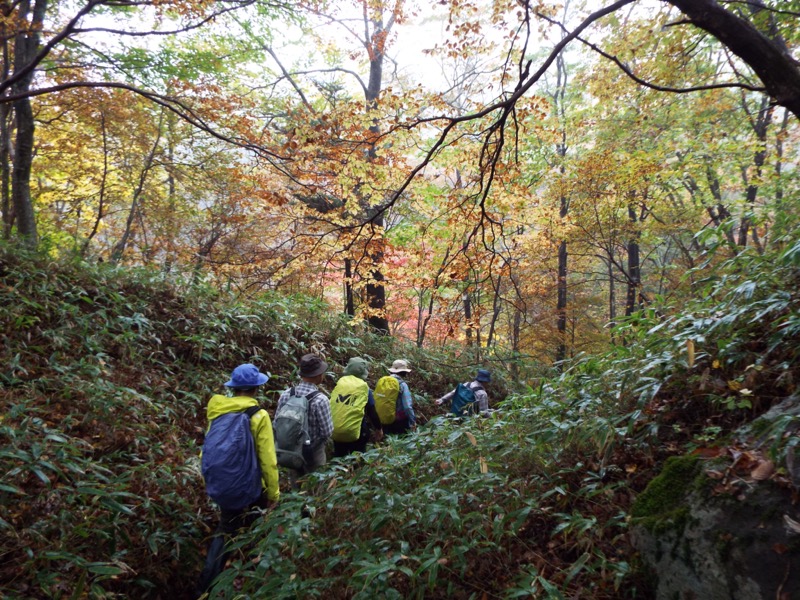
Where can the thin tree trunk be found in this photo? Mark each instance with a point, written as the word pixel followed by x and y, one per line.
pixel 612 296
pixel 495 313
pixel 561 301
pixel 634 274
pixel 101 203
pixel 468 315
pixel 760 126
pixel 349 303
pixel 561 151
pixel 5 144
pixel 121 246
pixel 516 330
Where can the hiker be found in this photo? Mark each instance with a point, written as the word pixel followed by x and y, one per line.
pixel 315 407
pixel 238 461
pixel 353 410
pixel 393 400
pixel 470 397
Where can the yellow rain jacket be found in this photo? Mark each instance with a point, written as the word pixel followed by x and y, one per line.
pixel 261 427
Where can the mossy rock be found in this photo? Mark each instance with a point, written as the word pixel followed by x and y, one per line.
pixel 661 505
pixel 701 541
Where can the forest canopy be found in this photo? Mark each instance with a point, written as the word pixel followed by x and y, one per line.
pixel 512 176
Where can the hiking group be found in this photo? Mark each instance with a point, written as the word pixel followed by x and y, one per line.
pixel 244 447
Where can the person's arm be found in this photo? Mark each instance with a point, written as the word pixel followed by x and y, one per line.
pixel 321 411
pixel 447 397
pixel 405 399
pixel 261 426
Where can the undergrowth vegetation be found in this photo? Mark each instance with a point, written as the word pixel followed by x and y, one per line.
pixel 105 378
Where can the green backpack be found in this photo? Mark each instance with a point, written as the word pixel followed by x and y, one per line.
pixel 386 393
pixel 348 401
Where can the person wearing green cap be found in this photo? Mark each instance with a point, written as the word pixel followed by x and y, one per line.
pixel 353 410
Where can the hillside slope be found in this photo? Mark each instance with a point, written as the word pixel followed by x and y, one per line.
pixel 106 374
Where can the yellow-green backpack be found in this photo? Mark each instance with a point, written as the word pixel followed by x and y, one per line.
pixel 386 393
pixel 348 401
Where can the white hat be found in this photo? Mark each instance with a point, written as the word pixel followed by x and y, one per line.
pixel 400 366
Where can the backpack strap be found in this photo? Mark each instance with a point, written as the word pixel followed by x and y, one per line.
pixel 311 395
pixel 251 411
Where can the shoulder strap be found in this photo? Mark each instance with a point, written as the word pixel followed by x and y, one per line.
pixel 251 411
pixel 311 395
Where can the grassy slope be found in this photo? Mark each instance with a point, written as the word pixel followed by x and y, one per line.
pixel 107 372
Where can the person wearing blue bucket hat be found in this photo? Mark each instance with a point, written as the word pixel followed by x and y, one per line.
pixel 478 388
pixel 240 467
pixel 246 377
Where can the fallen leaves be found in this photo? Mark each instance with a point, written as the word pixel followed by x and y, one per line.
pixel 746 465
pixel 763 470
pixel 792 526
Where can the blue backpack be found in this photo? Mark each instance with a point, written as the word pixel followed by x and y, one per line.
pixel 230 465
pixel 463 400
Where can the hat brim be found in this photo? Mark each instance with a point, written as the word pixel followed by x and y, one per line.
pixel 318 371
pixel 399 370
pixel 262 379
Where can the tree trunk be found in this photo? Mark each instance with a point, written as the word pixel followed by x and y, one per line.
pixel 122 244
pixel 634 274
pixel 468 315
pixel 495 313
pixel 5 144
pixel 5 171
pixel 612 295
pixel 376 290
pixel 26 44
pixel 516 330
pixel 349 303
pixel 101 205
pixel 760 127
pixel 561 302
pixel 561 152
pixel 777 69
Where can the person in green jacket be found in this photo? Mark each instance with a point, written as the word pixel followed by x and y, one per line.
pixel 353 410
pixel 245 382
